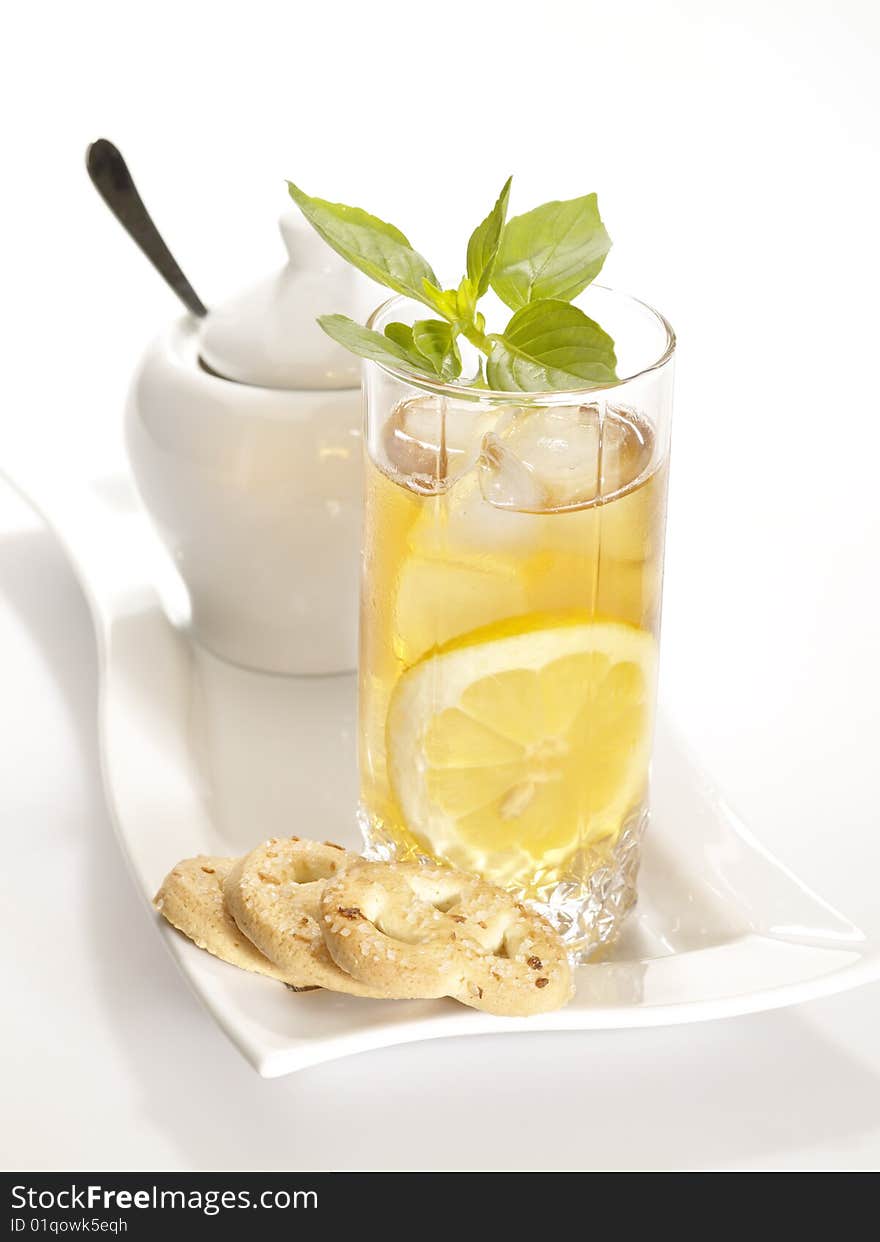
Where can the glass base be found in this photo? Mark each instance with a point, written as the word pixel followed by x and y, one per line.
pixel 587 907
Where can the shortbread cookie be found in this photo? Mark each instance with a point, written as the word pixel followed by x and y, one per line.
pixel 412 930
pixel 191 899
pixel 274 895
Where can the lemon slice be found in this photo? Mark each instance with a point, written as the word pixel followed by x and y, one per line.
pixel 523 741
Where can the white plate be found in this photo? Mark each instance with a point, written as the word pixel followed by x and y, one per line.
pixel 202 757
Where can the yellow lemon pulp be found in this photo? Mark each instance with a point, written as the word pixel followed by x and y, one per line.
pixel 506 747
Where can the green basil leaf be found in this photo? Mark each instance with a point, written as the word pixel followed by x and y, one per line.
pixel 378 249
pixel 444 301
pixel 436 340
pixel 401 334
pixel 483 245
pixel 430 345
pixel 456 305
pixel 466 300
pixel 548 346
pixel 552 252
pixel 373 345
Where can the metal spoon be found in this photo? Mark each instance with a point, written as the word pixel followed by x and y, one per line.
pixel 111 178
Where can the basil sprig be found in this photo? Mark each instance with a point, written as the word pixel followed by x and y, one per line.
pixel 536 263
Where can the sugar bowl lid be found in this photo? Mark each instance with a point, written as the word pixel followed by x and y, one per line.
pixel 268 336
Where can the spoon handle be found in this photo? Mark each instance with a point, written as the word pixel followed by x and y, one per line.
pixel 111 178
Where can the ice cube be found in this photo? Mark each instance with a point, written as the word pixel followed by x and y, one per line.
pixel 432 441
pixel 547 458
pixel 506 481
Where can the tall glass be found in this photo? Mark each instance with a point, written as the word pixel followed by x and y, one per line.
pixel 510 612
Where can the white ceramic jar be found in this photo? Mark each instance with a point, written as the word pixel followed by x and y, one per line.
pixel 256 488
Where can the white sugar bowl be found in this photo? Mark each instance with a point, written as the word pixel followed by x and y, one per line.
pixel 243 432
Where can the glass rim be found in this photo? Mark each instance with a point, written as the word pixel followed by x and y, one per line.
pixel 447 388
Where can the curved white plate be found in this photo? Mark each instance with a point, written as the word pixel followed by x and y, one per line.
pixel 199 756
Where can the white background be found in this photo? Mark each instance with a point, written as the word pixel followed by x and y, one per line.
pixel 734 147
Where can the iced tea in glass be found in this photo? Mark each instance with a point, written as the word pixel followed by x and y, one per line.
pixel 510 610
